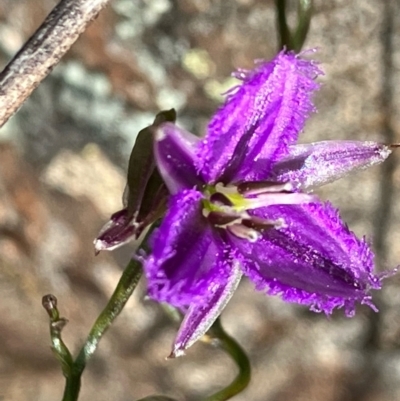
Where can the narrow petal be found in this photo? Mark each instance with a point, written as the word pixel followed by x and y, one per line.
pixel 124 226
pixel 311 165
pixel 187 256
pixel 313 259
pixel 175 158
pixel 259 119
pixel 118 231
pixel 200 317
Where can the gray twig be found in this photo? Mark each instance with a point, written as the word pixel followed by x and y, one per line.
pixel 43 51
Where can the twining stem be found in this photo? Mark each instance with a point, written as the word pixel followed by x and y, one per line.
pixel 59 348
pixel 73 369
pixel 124 290
pixel 293 40
pixel 235 351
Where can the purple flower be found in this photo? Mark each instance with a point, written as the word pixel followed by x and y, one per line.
pixel 239 206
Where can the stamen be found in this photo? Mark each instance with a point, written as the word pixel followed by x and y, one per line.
pixel 240 231
pixel 259 224
pixel 264 200
pixel 222 219
pixel 219 199
pixel 260 187
pixel 229 190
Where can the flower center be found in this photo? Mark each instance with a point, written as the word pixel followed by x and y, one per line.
pixel 227 207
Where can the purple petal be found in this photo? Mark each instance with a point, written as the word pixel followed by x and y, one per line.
pixel 313 259
pixel 200 317
pixel 312 165
pixel 117 232
pixel 187 256
pixel 259 119
pixel 174 153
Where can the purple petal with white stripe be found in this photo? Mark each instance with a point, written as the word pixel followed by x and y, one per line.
pixel 187 255
pixel 175 157
pixel 313 259
pixel 200 317
pixel 258 120
pixel 311 165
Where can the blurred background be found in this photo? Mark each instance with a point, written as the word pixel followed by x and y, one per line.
pixel 62 172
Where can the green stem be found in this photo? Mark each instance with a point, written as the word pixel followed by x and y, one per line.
pixel 72 388
pixel 125 287
pixel 304 14
pixel 288 39
pixel 128 282
pixel 57 323
pixel 124 290
pixel 285 39
pixel 235 351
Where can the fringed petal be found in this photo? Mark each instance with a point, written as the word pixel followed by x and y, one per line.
pixel 314 259
pixel 259 119
pixel 187 255
pixel 311 165
pixel 200 317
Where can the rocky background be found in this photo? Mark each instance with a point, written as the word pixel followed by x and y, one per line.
pixel 62 163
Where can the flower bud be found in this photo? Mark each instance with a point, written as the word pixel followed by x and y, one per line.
pixel 145 194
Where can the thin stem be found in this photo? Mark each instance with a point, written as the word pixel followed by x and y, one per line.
pixel 126 285
pixel 304 14
pixel 72 388
pixel 43 51
pixel 285 40
pixel 293 40
pixel 235 351
pixel 57 323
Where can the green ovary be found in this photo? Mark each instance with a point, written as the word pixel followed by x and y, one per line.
pixel 239 203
